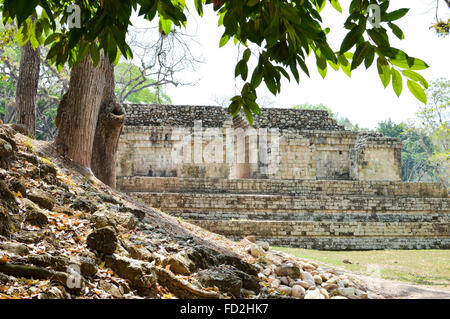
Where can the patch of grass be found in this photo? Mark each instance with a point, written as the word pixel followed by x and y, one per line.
pixel 28 144
pixel 419 267
pixel 46 161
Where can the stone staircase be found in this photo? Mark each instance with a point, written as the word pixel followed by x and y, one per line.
pixel 331 215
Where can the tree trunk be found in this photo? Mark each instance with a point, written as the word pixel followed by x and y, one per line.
pixel 89 120
pixel 27 87
pixel 79 109
pixel 109 127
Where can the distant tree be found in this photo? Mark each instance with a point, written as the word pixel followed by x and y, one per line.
pixel 159 60
pixel 435 122
pixel 344 121
pixel 133 87
pixel 27 85
pixel 347 124
pixel 416 165
pixel 308 106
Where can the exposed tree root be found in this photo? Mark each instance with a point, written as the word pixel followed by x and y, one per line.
pixel 28 271
pixel 182 289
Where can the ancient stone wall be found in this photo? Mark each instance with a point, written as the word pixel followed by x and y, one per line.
pixel 200 141
pixel 295 178
pixel 306 213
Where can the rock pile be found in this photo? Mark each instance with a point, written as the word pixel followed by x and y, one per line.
pixel 287 276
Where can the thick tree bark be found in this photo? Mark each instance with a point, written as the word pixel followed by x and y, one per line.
pixel 90 121
pixel 27 87
pixel 109 127
pixel 79 109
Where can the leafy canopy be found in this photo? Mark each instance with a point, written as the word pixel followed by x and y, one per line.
pixel 284 32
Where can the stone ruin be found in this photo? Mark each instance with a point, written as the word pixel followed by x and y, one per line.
pixel 294 178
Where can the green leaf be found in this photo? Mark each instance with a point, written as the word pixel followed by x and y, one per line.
pixel 417 91
pixel 235 106
pixel 397 82
pixel 248 115
pixel 199 7
pixel 223 40
pixel 95 54
pixel 345 65
pixel 350 39
pixel 270 82
pixel 360 54
pixel 321 62
pixel 416 77
pixel 251 3
pixel 396 30
pixel 243 69
pixel 246 55
pixel 384 71
pixel 51 38
pixel 406 62
pixel 336 5
pixel 22 9
pixel 370 56
pixel 394 15
pixel 379 38
pixel 256 77
pixel 334 65
pixel 164 25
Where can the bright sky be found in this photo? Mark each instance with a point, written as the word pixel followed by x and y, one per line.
pixel 362 98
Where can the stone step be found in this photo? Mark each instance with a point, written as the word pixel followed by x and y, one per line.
pixel 281 187
pixel 344 216
pixel 336 235
pixel 219 203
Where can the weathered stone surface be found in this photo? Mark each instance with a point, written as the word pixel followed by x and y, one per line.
pixel 317 279
pixel 43 199
pixel 112 289
pixel 14 248
pixel 179 264
pixel 88 265
pixel 308 278
pixel 224 279
pixel 5 221
pixel 290 270
pixel 84 205
pixel 36 218
pixel 140 274
pixel 58 263
pixel 298 291
pixel 103 240
pixel 286 290
pixel 301 283
pixel 263 244
pixel 105 218
pixel 19 186
pixel 314 294
pixel 350 292
pixel 34 237
pixel 6 150
pixel 256 251
pixel 330 286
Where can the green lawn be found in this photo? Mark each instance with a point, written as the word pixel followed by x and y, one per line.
pixel 420 267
